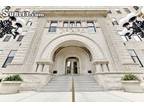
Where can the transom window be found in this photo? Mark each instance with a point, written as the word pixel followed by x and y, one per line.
pixel 53 26
pixel 91 26
pixel 65 24
pixel 78 24
pixel 72 24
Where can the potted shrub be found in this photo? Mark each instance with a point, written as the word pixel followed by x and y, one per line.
pixel 131 83
pixel 10 84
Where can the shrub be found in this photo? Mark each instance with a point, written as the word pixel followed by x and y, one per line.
pixel 130 76
pixel 13 78
pixel 0 80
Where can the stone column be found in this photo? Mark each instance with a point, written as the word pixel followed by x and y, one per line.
pixel 39 68
pixel 105 67
pixel 98 64
pixel 46 68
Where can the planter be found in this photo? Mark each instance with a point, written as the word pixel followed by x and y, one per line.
pixel 9 87
pixel 132 86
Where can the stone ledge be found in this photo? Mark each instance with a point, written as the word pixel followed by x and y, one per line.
pixel 36 73
pixel 120 72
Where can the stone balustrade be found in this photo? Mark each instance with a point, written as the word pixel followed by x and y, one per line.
pixel 43 66
pixel 101 66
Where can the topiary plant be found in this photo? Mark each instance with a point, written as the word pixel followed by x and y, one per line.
pixel 130 76
pixel 13 78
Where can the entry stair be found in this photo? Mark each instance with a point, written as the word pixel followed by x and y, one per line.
pixel 63 83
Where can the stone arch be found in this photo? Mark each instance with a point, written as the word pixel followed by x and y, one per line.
pixel 54 44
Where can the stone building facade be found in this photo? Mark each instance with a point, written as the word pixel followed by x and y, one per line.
pixel 72 41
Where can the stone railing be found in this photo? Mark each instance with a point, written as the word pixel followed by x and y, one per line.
pixel 43 66
pixel 101 66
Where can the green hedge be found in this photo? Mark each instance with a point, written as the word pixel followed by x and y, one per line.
pixel 13 78
pixel 130 76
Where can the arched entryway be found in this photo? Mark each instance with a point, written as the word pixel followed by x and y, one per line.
pixel 72 66
pixel 72 60
pixel 56 52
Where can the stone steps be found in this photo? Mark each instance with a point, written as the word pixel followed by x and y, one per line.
pixel 82 83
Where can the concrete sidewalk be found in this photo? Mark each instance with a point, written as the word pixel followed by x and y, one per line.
pixel 102 96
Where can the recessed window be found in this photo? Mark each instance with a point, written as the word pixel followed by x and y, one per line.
pixel 20 38
pixel 7 38
pixel 134 57
pixel 72 24
pixel 9 58
pixel 118 11
pixel 114 21
pixel 78 24
pixel 109 12
pixel 124 38
pixel 53 26
pixel 137 38
pixel 65 24
pixel 127 10
pixel 29 22
pixel 91 26
pixel 136 8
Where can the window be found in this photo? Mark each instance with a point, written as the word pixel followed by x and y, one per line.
pixel 127 10
pixel 20 38
pixel 136 8
pixel 134 57
pixel 109 11
pixel 124 38
pixel 7 38
pixel 53 26
pixel 118 11
pixel 72 24
pixel 29 22
pixel 137 38
pixel 91 26
pixel 65 24
pixel 114 21
pixel 9 58
pixel 78 24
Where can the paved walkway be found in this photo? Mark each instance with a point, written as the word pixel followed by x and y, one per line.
pixel 103 96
